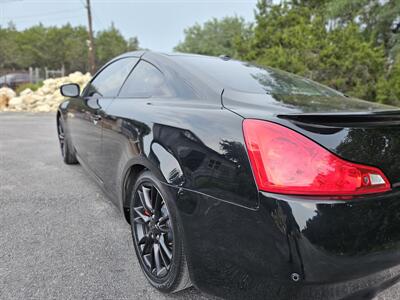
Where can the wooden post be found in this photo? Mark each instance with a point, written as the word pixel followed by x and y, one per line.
pixel 92 57
pixel 31 74
pixel 37 75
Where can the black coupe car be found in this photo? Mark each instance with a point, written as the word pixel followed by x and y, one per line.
pixel 246 182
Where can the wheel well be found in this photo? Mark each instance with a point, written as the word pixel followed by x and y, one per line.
pixel 130 179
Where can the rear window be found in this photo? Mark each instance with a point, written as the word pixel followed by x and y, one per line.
pixel 249 78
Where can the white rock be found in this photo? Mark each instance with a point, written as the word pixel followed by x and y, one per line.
pixel 45 90
pixel 26 92
pixel 75 77
pixel 49 82
pixel 8 92
pixel 14 102
pixel 47 98
pixel 5 95
pixel 43 108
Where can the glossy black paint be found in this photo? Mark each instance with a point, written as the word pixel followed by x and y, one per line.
pixel 240 242
pixel 339 249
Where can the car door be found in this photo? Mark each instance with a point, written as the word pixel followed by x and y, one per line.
pixel 86 126
pixel 127 118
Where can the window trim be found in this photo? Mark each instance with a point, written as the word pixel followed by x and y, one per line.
pixel 83 94
pixel 133 69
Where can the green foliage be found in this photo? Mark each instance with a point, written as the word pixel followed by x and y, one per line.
pixel 376 17
pixel 110 43
pixel 389 87
pixel 350 64
pixel 32 86
pixel 52 47
pixel 8 47
pixel 347 11
pixel 215 37
pixel 133 44
pixel 347 45
pixel 287 39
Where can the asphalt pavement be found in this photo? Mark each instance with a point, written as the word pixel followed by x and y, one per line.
pixel 60 236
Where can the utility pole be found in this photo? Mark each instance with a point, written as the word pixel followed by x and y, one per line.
pixel 92 50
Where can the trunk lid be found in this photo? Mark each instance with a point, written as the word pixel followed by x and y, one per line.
pixel 356 130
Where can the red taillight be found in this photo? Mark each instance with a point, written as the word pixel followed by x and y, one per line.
pixel 287 162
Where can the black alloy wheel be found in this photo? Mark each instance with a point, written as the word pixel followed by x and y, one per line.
pixel 68 155
pixel 156 236
pixel 61 137
pixel 153 230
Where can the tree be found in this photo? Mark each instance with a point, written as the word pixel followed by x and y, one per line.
pixel 215 37
pixel 133 44
pixel 300 37
pixel 53 47
pixel 388 89
pixel 380 24
pixel 76 50
pixel 111 43
pixel 380 20
pixel 351 64
pixel 287 38
pixel 295 36
pixel 33 46
pixel 8 47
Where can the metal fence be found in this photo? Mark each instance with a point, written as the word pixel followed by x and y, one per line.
pixel 36 74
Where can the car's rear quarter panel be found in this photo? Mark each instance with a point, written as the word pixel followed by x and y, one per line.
pixel 339 249
pixel 194 146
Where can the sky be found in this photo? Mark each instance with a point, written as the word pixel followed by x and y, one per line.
pixel 158 24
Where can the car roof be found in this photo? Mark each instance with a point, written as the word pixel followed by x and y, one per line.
pixel 223 72
pixel 140 53
pixel 137 53
pixel 246 83
pixel 179 62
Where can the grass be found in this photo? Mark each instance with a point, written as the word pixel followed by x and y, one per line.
pixel 32 86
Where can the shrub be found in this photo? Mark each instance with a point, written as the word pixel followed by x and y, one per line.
pixel 32 86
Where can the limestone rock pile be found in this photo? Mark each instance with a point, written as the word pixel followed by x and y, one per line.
pixel 46 98
pixel 5 95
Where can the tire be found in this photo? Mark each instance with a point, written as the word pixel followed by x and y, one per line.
pixel 154 229
pixel 67 152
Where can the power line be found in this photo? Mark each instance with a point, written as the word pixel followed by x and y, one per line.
pixel 97 19
pixel 6 1
pixel 47 19
pixel 27 17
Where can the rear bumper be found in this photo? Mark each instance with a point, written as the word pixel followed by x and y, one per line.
pixel 337 249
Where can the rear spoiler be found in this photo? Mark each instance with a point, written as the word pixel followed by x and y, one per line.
pixel 391 117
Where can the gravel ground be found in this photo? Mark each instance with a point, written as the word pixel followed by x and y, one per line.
pixel 60 237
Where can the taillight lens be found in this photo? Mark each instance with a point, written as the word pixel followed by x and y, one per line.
pixel 287 162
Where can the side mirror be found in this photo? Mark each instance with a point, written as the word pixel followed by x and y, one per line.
pixel 71 90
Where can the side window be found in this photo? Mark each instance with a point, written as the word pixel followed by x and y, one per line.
pixel 109 81
pixel 145 81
